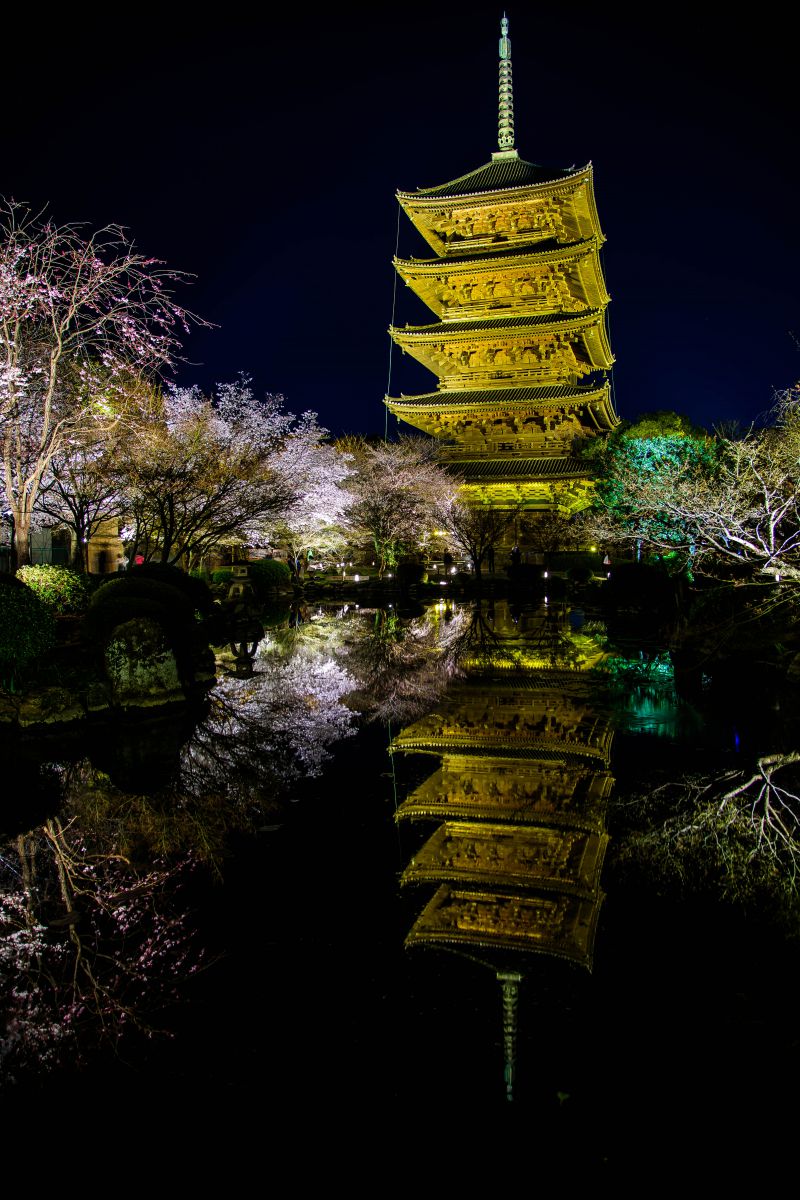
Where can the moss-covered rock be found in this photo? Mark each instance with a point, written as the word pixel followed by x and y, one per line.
pixel 140 665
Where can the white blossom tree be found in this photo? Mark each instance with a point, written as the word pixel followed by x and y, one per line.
pixel 399 488
pixel 198 472
pixel 316 522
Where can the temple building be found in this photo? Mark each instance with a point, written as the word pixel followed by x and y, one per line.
pixel 519 345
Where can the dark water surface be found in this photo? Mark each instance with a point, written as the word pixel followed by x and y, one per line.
pixel 310 1007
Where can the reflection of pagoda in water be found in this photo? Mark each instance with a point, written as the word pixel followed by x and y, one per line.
pixel 519 799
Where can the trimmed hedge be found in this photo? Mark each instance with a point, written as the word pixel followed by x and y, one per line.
pixel 267 574
pixel 62 590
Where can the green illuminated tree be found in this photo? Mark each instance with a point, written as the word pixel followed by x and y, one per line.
pixel 729 505
pixel 652 479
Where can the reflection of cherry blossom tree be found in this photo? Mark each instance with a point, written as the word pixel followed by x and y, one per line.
pixel 91 947
pixel 736 833
pixel 403 665
pixel 275 725
pixel 92 941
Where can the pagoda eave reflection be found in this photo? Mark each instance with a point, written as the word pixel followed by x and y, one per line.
pixel 558 792
pixel 494 855
pixel 555 924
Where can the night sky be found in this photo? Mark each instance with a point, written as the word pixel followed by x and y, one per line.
pixel 262 154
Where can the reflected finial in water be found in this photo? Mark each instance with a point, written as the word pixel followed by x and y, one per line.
pixel 509 982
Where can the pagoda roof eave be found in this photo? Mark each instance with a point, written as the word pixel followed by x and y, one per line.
pixel 496 177
pixel 509 255
pixel 523 397
pixel 514 469
pixel 499 325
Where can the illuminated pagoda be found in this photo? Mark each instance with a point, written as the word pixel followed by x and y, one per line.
pixel 519 345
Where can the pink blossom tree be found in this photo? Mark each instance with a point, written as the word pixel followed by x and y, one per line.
pixel 81 316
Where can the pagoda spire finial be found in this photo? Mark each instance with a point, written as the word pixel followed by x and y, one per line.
pixel 505 123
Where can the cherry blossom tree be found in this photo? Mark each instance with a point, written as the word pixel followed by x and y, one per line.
pixel 403 665
pixel 476 529
pixel 399 488
pixel 316 522
pixel 80 314
pixel 199 472
pixel 80 490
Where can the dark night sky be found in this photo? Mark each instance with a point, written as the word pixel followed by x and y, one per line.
pixel 262 154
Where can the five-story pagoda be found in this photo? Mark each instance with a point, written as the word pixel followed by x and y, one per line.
pixel 520 346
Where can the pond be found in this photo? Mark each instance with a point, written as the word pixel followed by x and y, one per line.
pixel 397 864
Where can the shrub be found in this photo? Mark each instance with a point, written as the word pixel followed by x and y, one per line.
pixel 222 575
pixel 27 627
pixel 267 574
pixel 195 588
pixel 62 590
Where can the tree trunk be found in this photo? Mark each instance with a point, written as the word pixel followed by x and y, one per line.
pixel 22 541
pixel 79 556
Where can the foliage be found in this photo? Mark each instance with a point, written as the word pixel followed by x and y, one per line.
pixel 637 469
pixel 62 590
pixel 266 574
pixel 10 581
pixel 27 629
pixel 223 575
pixel 727 506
